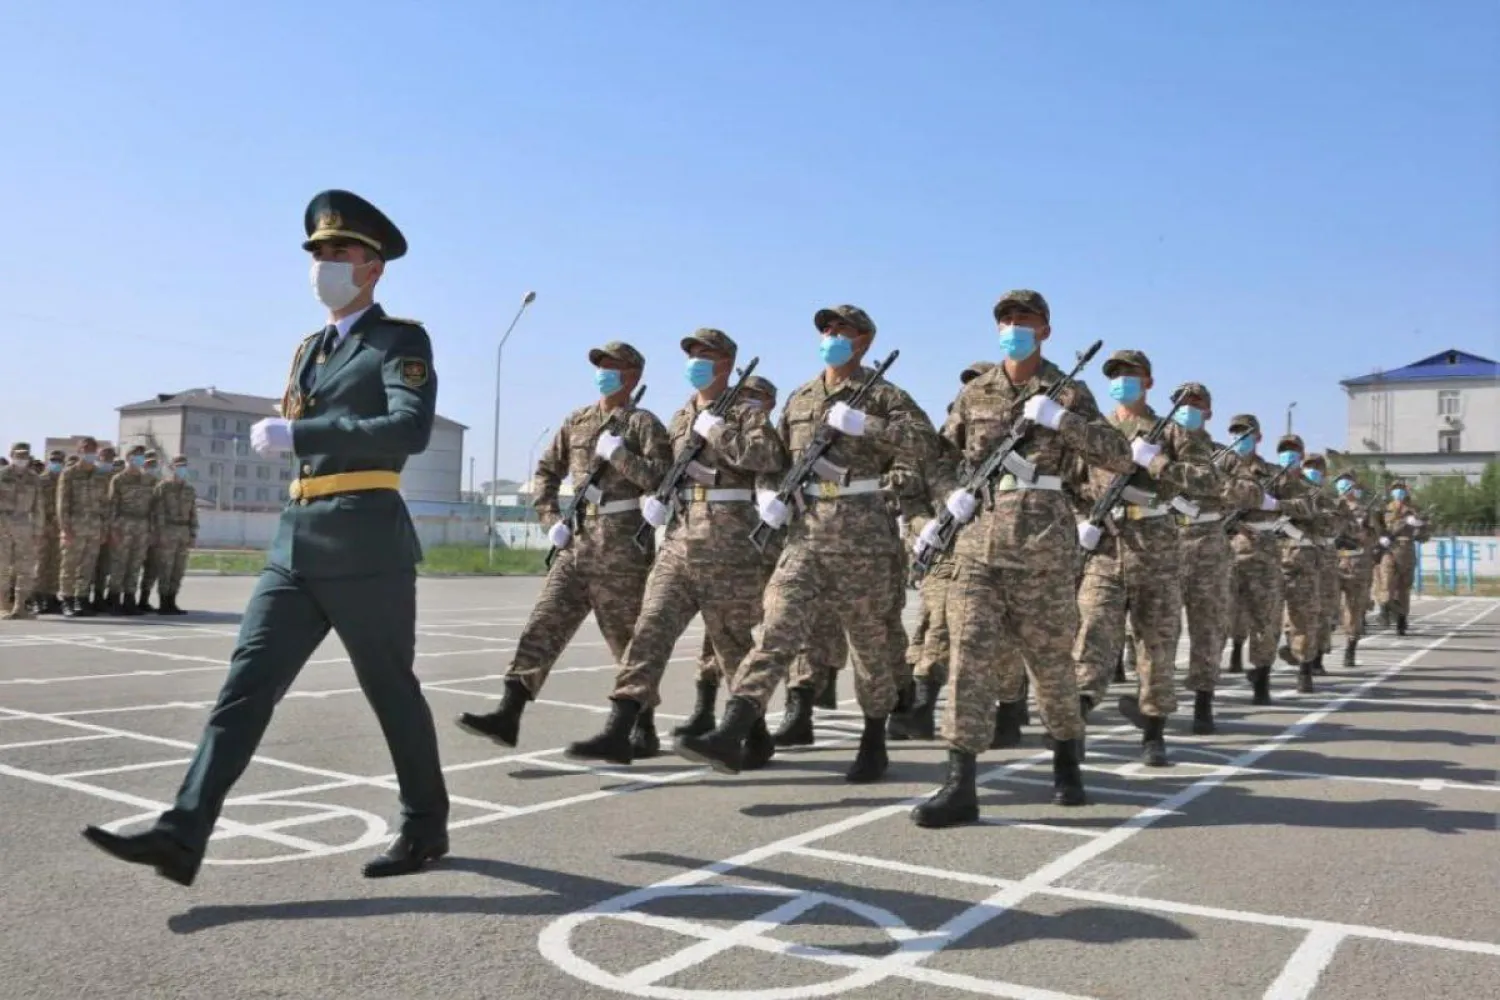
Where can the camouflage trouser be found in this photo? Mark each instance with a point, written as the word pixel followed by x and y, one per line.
pixel 917 637
pixel 103 562
pixel 1355 573
pixel 171 559
pixel 127 553
pixel 48 557
pixel 933 656
pixel 1002 621
pixel 1304 599
pixel 17 559
pixel 822 656
pixel 1400 574
pixel 678 588
pixel 1147 576
pixel 1256 587
pixel 79 554
pixel 855 588
pixel 1206 569
pixel 1328 567
pixel 570 592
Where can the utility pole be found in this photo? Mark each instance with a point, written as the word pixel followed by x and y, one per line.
pixel 495 445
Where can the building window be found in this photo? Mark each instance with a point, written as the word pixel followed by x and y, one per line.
pixel 1447 402
pixel 193 451
pixel 263 495
pixel 1448 442
pixel 241 446
pixel 217 423
pixel 215 469
pixel 243 426
pixel 286 475
pixel 262 472
pixel 239 493
pixel 216 446
pixel 195 428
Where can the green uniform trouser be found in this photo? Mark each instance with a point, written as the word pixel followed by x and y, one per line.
pixel 285 621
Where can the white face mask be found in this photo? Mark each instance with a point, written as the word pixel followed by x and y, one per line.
pixel 333 283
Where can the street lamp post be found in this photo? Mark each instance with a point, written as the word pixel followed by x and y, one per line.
pixel 495 445
pixel 531 471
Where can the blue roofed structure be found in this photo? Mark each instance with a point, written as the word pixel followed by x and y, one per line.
pixel 1449 364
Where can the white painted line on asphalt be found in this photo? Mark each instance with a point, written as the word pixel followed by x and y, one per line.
pixel 55 742
pixel 125 768
pixel 1300 975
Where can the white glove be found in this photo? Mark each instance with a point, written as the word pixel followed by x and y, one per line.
pixel 1413 520
pixel 927 538
pixel 1088 535
pixel 1385 541
pixel 559 535
pixel 1268 502
pixel 1045 411
pixel 850 421
pixel 609 445
pixel 961 504
pixel 763 497
pixel 1143 452
pixel 654 511
pixel 773 511
pixel 705 424
pixel 271 434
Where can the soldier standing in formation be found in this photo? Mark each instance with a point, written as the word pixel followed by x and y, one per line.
pixel 109 467
pixel 1016 557
pixel 174 527
pixel 44 598
pixel 1405 530
pixel 842 552
pixel 130 495
pixel 707 563
pixel 1356 546
pixel 82 496
pixel 23 519
pixel 600 569
pixel 1137 561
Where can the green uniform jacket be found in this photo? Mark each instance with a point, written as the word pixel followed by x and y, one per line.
pixel 371 405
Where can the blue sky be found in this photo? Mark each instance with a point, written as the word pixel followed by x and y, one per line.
pixel 1264 197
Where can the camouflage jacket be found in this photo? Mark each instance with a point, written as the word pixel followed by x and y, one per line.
pixel 82 496
pixel 21 500
pixel 1238 487
pixel 1402 533
pixel 174 506
pixel 742 448
pixel 130 496
pixel 896 432
pixel 1364 527
pixel 49 497
pixel 1014 528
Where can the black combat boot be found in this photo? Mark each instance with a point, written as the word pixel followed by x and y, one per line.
pixel 1317 665
pixel 83 607
pixel 644 742
pixel 1008 718
pixel 828 695
pixel 503 725
pixel 1237 657
pixel 143 602
pixel 871 762
pixel 796 728
pixel 1385 613
pixel 918 723
pixel 723 748
pixel 169 605
pixel 1154 741
pixel 1203 713
pixel 1119 674
pixel 1400 624
pixel 1349 652
pixel 1085 706
pixel 1260 685
pixel 614 742
pixel 1305 678
pixel 1067 775
pixel 125 603
pixel 957 801
pixel 68 610
pixel 702 719
pixel 759 747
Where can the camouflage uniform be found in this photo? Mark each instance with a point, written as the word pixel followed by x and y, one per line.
pixel 130 494
pixel 1356 560
pixel 174 525
pixel 1138 561
pixel 1327 555
pixel 81 504
pixel 153 540
pixel 1207 565
pixel 1406 529
pixel 48 557
pixel 110 466
pixel 1302 568
pixel 1016 562
pixel 22 520
pixel 706 563
pixel 599 569
pixel 842 552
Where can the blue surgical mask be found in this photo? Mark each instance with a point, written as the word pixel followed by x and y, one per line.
pixel 1343 486
pixel 1398 494
pixel 1125 389
pixel 1018 342
pixel 89 459
pixel 137 461
pixel 700 372
pixel 1288 458
pixel 178 471
pixel 1245 447
pixel 1313 475
pixel 1190 417
pixel 54 467
pixel 836 351
pixel 607 381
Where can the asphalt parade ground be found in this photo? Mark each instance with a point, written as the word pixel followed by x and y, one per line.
pixel 1340 845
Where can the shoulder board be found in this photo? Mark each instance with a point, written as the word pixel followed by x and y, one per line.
pixel 402 320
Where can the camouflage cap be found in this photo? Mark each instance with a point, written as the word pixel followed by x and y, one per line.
pixel 1396 484
pixel 1316 459
pixel 853 315
pixel 1121 359
pixel 1197 390
pixel 756 383
pixel 139 449
pixel 107 450
pixel 87 443
pixel 1348 474
pixel 1241 422
pixel 56 455
pixel 1290 442
pixel 37 465
pixel 1024 300
pixel 619 351
pixel 179 460
pixel 151 454
pixel 714 340
pixel 975 370
pixel 20 448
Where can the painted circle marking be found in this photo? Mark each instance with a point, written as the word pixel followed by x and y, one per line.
pixel 376 830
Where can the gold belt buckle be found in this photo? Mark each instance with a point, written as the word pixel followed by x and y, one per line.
pixel 591 509
pixel 700 493
pixel 828 490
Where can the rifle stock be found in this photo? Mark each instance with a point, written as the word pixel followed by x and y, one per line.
pixel 574 515
pixel 1117 486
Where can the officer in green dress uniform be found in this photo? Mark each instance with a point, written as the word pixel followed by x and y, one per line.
pixel 360 400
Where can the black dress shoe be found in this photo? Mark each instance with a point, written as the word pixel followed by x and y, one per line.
pixel 156 848
pixel 406 855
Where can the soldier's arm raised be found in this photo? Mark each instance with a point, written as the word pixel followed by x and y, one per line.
pixel 782 430
pixel 411 403
pixel 645 464
pixel 1185 465
pixel 747 440
pixel 1084 429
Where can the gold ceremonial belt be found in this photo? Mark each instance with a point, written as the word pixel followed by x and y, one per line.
pixel 343 482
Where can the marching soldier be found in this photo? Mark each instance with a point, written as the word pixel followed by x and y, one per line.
pixel 1016 558
pixel 842 552
pixel 22 520
pixel 1405 530
pixel 1355 546
pixel 706 563
pixel 599 569
pixel 360 401
pixel 1139 560
pixel 174 525
pixel 1301 564
pixel 1315 470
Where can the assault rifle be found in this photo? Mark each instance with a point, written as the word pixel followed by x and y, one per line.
pixel 812 461
pixel 686 463
pixel 573 517
pixel 1004 458
pixel 1119 487
pixel 1284 524
pixel 1182 504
